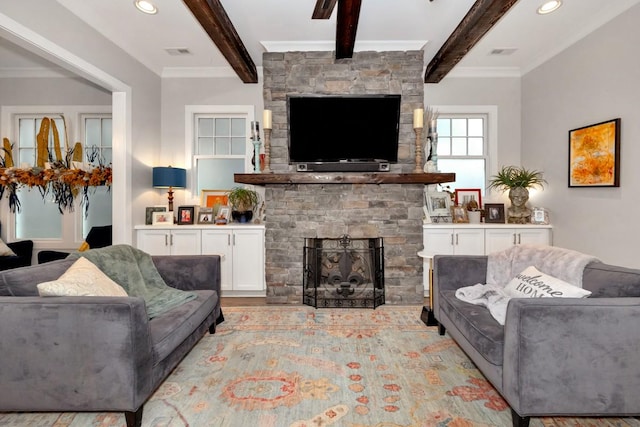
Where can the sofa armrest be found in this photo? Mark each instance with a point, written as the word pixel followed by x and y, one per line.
pixel 74 353
pixel 190 272
pixel 572 356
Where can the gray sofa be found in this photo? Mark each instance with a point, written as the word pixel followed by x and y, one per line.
pixel 81 354
pixel 554 356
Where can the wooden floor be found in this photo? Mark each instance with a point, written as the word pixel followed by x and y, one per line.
pixel 247 302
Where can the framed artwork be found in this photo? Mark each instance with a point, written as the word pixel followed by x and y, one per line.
pixel 186 215
pixel 494 213
pixel 539 216
pixel 211 198
pixel 224 213
pixel 205 215
pixel 594 155
pixel 148 217
pixel 162 218
pixel 464 196
pixel 459 214
pixel 438 203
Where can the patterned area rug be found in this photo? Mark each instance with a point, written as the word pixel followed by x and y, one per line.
pixel 302 367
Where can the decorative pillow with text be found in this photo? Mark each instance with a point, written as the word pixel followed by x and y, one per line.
pixel 532 283
pixel 83 278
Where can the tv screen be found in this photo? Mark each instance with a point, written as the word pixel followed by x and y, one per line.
pixel 332 128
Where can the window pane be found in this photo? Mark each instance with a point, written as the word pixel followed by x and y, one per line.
pixel 238 146
pixel 459 146
pixel 217 174
pixel 444 127
pixel 476 127
pixel 205 127
pixel 223 127
pixel 99 212
pixel 458 127
pixel 238 127
pixel 469 172
pixel 107 156
pixel 205 146
pixel 444 146
pixel 107 135
pixel 27 133
pixel 93 132
pixel 476 146
pixel 223 146
pixel 38 218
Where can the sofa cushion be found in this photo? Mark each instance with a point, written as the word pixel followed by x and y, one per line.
pixel 532 283
pixel 171 328
pixel 23 282
pixel 83 278
pixel 476 324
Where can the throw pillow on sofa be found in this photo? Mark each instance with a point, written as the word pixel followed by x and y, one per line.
pixel 532 283
pixel 5 250
pixel 83 278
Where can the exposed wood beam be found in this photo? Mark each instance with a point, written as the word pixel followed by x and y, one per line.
pixel 347 26
pixel 481 17
pixel 323 9
pixel 217 24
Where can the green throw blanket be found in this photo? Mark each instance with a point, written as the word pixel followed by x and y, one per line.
pixel 135 271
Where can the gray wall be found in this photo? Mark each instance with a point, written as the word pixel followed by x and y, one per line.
pixel 51 91
pixel 593 81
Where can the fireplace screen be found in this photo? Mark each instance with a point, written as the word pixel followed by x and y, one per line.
pixel 343 272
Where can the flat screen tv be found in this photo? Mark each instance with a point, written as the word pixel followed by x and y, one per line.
pixel 335 128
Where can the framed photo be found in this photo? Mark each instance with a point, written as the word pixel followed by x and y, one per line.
pixel 162 218
pixel 494 213
pixel 594 155
pixel 186 215
pixel 539 216
pixel 148 218
pixel 459 214
pixel 438 203
pixel 205 215
pixel 224 213
pixel 465 195
pixel 211 198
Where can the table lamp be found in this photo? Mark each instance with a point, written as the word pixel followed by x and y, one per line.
pixel 169 177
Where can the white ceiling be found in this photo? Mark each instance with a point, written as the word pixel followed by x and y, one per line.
pixel 287 25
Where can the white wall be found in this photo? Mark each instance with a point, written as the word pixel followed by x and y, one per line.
pixel 593 81
pixel 51 91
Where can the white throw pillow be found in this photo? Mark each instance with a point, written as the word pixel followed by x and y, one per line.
pixel 532 283
pixel 5 250
pixel 83 278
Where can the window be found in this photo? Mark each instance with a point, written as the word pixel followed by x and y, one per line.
pixel 39 218
pixel 465 146
pixel 220 145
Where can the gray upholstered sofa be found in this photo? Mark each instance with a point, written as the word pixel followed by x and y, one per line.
pixel 82 354
pixel 554 356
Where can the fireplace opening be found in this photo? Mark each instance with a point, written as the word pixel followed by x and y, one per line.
pixel 343 272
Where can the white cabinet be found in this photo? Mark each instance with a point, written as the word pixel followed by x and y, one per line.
pixel 165 241
pixel 498 239
pixel 453 241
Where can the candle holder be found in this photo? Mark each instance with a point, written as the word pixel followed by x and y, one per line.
pixel 256 155
pixel 432 138
pixel 419 167
pixel 267 151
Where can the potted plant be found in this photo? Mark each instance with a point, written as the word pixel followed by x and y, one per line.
pixel 243 201
pixel 517 180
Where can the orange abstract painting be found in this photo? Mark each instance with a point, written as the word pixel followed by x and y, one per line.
pixel 212 198
pixel 594 155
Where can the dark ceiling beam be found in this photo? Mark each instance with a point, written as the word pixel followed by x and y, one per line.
pixel 346 28
pixel 481 17
pixel 214 20
pixel 323 9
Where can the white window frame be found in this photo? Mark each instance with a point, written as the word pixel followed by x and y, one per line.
pixel 191 114
pixel 72 235
pixel 491 139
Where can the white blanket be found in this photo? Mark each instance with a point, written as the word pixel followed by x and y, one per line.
pixel 503 266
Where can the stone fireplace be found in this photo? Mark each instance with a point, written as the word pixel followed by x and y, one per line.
pixel 298 211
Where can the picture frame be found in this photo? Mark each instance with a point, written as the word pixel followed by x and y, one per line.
pixel 539 216
pixel 223 215
pixel 148 217
pixel 162 218
pixel 186 215
pixel 494 213
pixel 211 198
pixel 438 203
pixel 459 214
pixel 462 193
pixel 205 215
pixel 594 155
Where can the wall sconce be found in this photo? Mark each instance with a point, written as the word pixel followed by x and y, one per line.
pixel 169 177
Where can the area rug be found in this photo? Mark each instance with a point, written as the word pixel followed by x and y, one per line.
pixel 302 367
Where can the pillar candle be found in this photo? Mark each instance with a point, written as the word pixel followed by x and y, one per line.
pixel 418 118
pixel 266 119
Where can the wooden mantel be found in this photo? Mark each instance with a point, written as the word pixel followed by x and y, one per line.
pixel 342 178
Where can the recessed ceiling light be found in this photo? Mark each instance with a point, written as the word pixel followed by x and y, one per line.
pixel 549 6
pixel 146 6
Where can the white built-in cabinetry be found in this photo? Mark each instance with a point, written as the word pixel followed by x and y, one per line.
pixel 241 250
pixel 477 239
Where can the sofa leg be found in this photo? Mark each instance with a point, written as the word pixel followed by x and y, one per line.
pixel 441 329
pixel 212 328
pixel 134 419
pixel 519 421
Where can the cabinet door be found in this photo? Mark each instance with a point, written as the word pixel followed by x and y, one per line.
pixel 185 242
pixel 532 236
pixel 218 242
pixel 248 260
pixel 499 239
pixel 438 241
pixel 468 242
pixel 154 242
